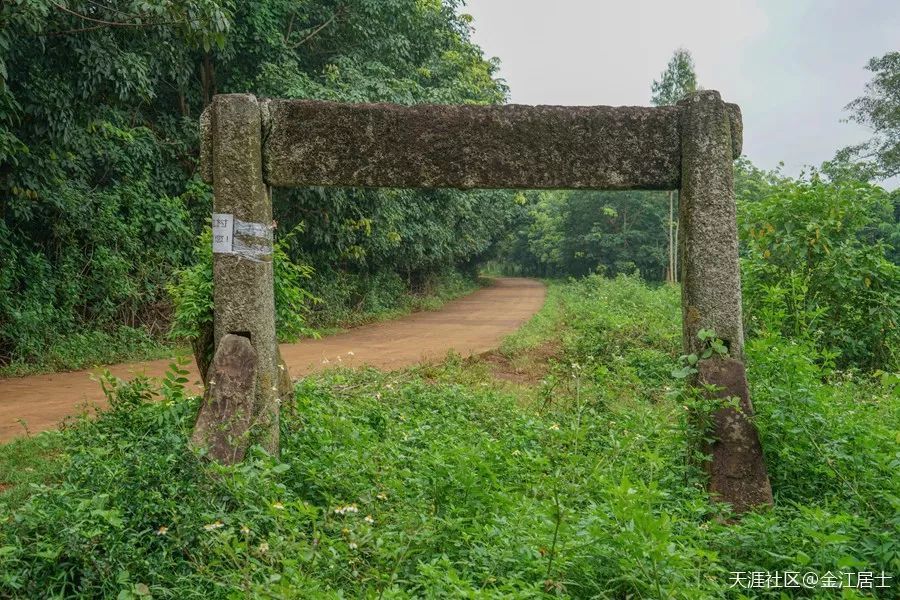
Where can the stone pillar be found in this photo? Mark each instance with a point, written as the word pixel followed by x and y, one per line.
pixel 711 292
pixel 710 273
pixel 243 287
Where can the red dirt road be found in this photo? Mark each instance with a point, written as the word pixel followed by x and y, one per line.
pixel 469 325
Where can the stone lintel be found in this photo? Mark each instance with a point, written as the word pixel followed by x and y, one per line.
pixel 312 143
pixel 507 146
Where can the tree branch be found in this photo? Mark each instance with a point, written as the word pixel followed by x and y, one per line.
pixel 100 22
pixel 315 31
pixel 93 20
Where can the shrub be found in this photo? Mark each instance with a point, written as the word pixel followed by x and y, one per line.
pixel 813 268
pixel 192 292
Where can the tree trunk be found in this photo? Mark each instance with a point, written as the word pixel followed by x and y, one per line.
pixel 207 79
pixel 671 275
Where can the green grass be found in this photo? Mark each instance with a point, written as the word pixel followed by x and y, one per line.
pixel 82 350
pixel 544 326
pixel 460 486
pixel 29 462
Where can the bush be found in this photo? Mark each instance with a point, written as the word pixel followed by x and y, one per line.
pixel 815 269
pixel 348 298
pixel 192 293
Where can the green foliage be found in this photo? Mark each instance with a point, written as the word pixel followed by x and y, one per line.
pixel 192 292
pixel 814 268
pixel 412 485
pixel 88 348
pixel 577 233
pixel 819 260
pixel 879 110
pixel 712 347
pixel 349 299
pixel 677 81
pixel 99 144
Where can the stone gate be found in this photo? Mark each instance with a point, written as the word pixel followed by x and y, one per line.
pixel 250 145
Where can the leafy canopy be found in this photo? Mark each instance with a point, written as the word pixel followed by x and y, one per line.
pixel 677 81
pixel 879 109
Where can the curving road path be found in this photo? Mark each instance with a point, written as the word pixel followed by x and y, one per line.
pixel 470 325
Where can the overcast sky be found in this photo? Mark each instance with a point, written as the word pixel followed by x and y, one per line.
pixel 792 65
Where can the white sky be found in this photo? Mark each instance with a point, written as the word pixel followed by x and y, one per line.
pixel 792 65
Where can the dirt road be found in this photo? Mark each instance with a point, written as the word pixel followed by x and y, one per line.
pixel 470 325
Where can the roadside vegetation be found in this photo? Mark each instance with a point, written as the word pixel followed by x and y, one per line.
pixel 102 203
pixel 447 481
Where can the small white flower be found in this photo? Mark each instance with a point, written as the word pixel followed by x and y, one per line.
pixel 245 530
pixel 350 353
pixel 274 388
pixel 162 530
pixel 264 547
pixel 382 496
pixel 516 452
pixel 369 519
pixel 353 545
pixel 214 525
pixel 554 427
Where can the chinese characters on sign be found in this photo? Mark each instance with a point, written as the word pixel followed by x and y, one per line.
pixel 222 233
pixel 809 580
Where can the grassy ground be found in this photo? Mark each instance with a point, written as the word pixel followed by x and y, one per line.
pixel 447 481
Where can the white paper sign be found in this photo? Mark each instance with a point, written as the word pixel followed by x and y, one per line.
pixel 222 233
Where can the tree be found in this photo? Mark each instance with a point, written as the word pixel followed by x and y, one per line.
pixel 99 104
pixel 677 81
pixel 879 109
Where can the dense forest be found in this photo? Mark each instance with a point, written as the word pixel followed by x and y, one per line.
pixel 102 202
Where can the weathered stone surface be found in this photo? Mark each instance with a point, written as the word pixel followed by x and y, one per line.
pixel 737 470
pixel 228 410
pixel 736 122
pixel 510 146
pixel 243 289
pixel 710 273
